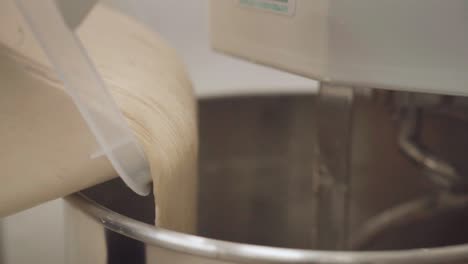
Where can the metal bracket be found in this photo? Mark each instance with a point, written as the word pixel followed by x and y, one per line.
pixel 440 172
pixel 334 123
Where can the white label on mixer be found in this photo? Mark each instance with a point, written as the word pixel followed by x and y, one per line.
pixel 284 7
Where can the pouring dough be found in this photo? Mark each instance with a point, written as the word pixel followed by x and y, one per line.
pixel 48 146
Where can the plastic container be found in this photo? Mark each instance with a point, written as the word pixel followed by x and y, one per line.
pixel 53 26
pixel 49 150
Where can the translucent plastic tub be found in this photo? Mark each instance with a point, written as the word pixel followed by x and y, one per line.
pixel 61 129
pixel 53 24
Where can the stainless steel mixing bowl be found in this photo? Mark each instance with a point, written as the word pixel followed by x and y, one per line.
pixel 258 196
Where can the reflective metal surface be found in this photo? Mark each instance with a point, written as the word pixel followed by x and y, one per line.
pixel 184 246
pixel 258 193
pixel 441 172
pixel 333 115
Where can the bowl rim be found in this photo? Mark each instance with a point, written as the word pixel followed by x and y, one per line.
pixel 247 253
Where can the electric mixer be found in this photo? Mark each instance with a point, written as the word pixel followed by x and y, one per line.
pixel 338 100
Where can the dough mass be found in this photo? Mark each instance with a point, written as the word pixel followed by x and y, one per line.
pixel 47 146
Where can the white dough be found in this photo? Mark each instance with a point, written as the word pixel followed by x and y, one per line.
pixel 46 146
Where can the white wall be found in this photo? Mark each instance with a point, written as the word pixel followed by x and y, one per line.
pixel 185 24
pixel 34 235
